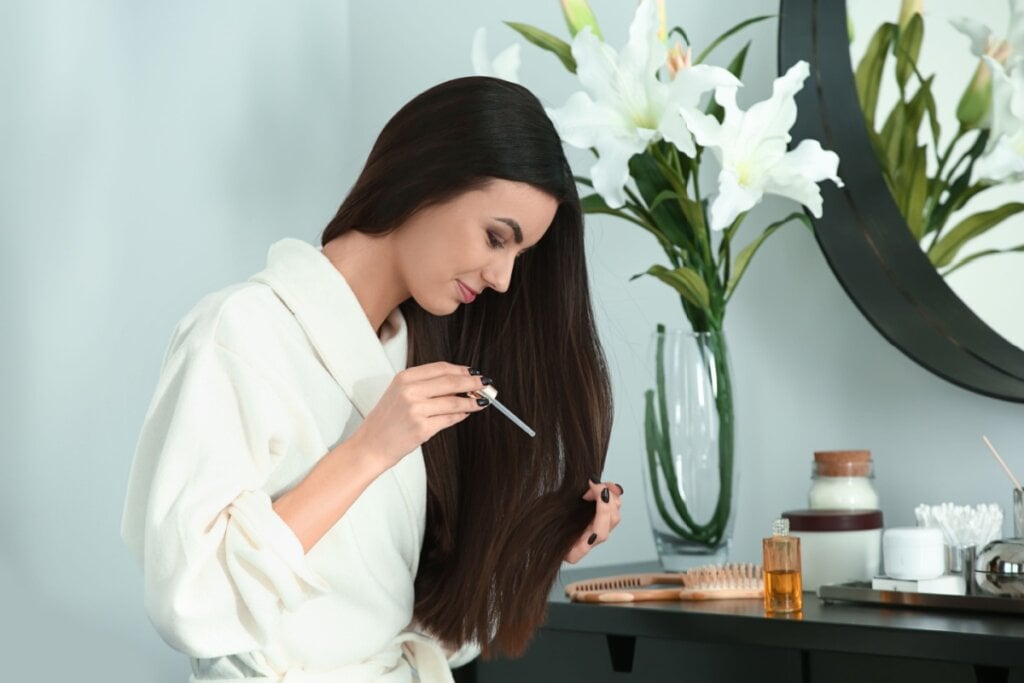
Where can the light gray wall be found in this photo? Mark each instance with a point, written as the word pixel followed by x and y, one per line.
pixel 152 152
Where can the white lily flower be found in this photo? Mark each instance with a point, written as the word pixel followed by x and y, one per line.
pixel 984 41
pixel 1003 160
pixel 504 66
pixel 625 106
pixel 751 148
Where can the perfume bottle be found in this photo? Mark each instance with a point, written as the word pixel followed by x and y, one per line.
pixel 783 592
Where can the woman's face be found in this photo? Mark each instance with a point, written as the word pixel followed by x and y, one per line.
pixel 451 252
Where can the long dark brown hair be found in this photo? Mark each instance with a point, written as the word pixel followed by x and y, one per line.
pixel 503 509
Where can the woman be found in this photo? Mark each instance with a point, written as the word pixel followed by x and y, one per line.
pixel 319 493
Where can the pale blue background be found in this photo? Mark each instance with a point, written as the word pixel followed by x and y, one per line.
pixel 150 152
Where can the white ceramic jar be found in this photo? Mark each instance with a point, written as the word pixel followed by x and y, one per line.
pixel 913 553
pixel 841 480
pixel 837 545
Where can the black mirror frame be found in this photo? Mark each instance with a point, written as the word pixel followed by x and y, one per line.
pixel 862 233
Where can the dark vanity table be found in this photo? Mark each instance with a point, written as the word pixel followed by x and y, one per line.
pixel 733 640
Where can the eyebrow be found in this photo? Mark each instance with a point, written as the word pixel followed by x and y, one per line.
pixel 517 232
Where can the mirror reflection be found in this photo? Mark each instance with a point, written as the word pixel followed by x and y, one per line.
pixel 941 84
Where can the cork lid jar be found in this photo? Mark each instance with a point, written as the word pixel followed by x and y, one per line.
pixel 841 480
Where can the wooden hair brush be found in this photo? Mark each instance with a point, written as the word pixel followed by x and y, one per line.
pixel 710 582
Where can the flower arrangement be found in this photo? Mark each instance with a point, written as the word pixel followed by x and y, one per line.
pixel 653 114
pixel 931 180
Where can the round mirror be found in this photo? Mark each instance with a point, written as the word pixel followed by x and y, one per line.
pixel 947 323
pixel 938 120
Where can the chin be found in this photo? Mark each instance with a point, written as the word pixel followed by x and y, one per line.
pixel 438 308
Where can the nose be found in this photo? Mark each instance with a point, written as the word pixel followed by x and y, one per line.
pixel 499 274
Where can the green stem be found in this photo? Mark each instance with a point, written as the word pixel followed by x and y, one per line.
pixel 940 183
pixel 659 452
pixel 946 182
pixel 665 446
pixel 726 432
pixel 690 208
pixel 653 439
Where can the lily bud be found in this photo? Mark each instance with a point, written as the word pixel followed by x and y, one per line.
pixel 976 101
pixel 578 15
pixel 975 107
pixel 908 9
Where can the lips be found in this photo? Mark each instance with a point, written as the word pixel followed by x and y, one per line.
pixel 468 295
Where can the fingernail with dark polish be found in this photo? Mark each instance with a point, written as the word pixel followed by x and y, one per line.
pixel 593 478
pixel 474 371
pixel 486 381
pixel 621 490
pixel 593 537
pixel 606 495
pixel 482 402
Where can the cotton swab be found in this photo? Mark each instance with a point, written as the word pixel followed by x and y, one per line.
pixel 1016 483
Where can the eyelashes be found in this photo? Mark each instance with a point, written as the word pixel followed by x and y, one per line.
pixel 495 242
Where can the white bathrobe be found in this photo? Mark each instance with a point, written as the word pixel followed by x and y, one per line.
pixel 259 382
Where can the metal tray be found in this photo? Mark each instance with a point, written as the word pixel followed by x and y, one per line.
pixel 861 591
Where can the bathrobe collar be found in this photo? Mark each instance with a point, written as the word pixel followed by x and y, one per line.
pixel 362 364
pixel 327 309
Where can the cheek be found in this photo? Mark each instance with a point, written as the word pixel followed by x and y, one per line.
pixel 435 264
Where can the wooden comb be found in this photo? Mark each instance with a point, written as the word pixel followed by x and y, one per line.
pixel 710 582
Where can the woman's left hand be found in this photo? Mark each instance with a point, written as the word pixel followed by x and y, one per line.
pixel 608 497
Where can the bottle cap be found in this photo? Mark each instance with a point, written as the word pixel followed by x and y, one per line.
pixel 780 527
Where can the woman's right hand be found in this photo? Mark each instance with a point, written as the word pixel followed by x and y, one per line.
pixel 419 402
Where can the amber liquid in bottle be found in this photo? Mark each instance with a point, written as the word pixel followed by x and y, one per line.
pixel 783 591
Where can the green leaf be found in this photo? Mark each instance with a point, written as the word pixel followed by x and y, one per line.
pixel 958 195
pixel 913 186
pixel 943 253
pixel 687 282
pixel 546 41
pixel 736 68
pixel 892 135
pixel 981 254
pixel 929 103
pixel 594 203
pixel 878 147
pixel 692 212
pixel 662 196
pixel 667 215
pixel 908 48
pixel 916 105
pixel 680 31
pixel 960 190
pixel 738 27
pixel 744 257
pixel 869 71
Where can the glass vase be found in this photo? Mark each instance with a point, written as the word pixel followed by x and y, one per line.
pixel 690 468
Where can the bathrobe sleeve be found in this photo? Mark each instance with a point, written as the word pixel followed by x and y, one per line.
pixel 220 565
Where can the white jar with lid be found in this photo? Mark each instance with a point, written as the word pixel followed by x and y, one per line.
pixel 841 480
pixel 913 553
pixel 837 545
